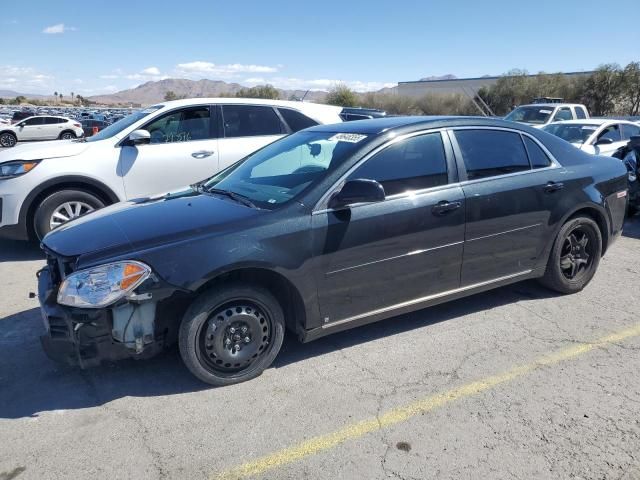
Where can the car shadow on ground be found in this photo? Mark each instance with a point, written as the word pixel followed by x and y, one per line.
pixel 30 383
pixel 13 251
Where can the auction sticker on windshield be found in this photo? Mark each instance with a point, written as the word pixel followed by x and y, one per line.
pixel 348 137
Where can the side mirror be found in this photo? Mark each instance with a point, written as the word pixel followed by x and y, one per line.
pixel 139 137
pixel 604 141
pixel 357 191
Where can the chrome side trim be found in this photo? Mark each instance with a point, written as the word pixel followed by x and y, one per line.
pixel 503 233
pixel 416 301
pixel 415 252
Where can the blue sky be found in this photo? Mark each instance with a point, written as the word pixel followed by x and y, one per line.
pixel 100 47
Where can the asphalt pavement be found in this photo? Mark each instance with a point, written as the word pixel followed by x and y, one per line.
pixel 516 383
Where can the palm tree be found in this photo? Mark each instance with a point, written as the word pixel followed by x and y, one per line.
pixel 55 94
pixel 71 97
pixel 60 97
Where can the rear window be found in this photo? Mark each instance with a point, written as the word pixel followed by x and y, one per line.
pixel 250 121
pixel 296 120
pixel 488 153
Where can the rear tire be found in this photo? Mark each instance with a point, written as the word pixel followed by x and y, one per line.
pixel 8 140
pixel 231 333
pixel 61 205
pixel 67 136
pixel 574 257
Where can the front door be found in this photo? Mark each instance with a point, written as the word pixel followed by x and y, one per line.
pixel 247 128
pixel 512 191
pixel 31 129
pixel 401 250
pixel 183 150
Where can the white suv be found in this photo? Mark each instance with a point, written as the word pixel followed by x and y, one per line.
pixel 156 150
pixel 40 128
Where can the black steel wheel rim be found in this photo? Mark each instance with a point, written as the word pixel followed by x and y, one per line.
pixel 576 256
pixel 234 337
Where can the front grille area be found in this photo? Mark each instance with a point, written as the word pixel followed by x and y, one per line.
pixel 58 328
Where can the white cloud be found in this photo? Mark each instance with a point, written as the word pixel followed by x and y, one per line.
pixel 24 79
pixel 289 83
pixel 58 28
pixel 201 69
pixel 151 71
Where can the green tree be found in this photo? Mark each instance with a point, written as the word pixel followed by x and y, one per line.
pixel 268 92
pixel 55 95
pixel 20 99
pixel 170 95
pixel 2 101
pixel 342 96
pixel 631 88
pixel 603 89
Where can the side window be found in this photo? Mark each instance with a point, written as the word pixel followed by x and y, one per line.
pixel 612 132
pixel 537 157
pixel 411 164
pixel 183 125
pixel 563 113
pixel 296 120
pixel 34 121
pixel 250 121
pixel 629 131
pixel 580 113
pixel 488 153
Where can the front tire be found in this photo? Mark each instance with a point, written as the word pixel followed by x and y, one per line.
pixel 8 140
pixel 575 256
pixel 61 207
pixel 231 334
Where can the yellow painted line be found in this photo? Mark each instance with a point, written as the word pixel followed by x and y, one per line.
pixel 397 415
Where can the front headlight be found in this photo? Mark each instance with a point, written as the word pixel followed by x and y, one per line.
pixel 17 168
pixel 103 285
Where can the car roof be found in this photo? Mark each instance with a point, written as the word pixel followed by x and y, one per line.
pixel 593 121
pixel 377 126
pixel 252 101
pixel 552 105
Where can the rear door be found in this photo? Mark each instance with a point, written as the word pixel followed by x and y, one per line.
pixel 183 150
pixel 245 129
pixel 398 252
pixel 513 191
pixel 51 128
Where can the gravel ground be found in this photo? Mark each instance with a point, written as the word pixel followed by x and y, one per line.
pixel 460 391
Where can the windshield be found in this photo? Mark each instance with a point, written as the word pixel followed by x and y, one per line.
pixel 530 114
pixel 284 169
pixel 120 125
pixel 571 132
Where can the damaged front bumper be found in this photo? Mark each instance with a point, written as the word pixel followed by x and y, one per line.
pixel 87 337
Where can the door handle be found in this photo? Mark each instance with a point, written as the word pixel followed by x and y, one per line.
pixel 551 187
pixel 202 154
pixel 444 207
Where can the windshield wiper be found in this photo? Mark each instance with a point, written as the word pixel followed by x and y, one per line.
pixel 227 193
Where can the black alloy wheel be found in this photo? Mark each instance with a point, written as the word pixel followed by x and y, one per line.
pixel 574 257
pixel 577 252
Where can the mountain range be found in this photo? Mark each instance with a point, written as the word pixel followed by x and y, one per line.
pixel 153 92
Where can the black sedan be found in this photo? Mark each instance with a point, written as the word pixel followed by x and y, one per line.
pixel 327 229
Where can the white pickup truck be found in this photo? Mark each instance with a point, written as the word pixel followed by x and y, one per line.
pixel 540 114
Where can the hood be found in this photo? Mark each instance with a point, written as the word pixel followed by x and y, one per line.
pixel 40 150
pixel 142 224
